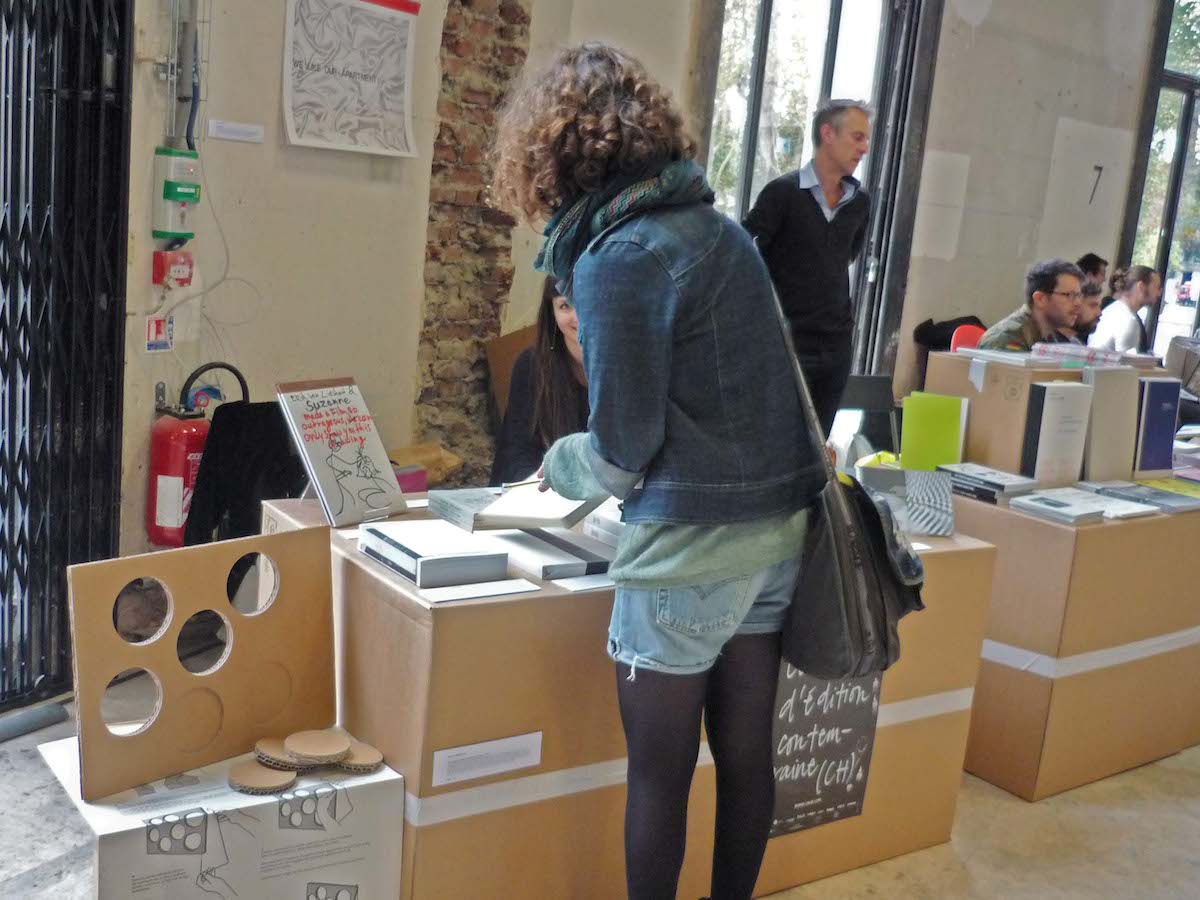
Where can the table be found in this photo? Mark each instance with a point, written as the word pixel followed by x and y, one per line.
pixel 1092 650
pixel 416 678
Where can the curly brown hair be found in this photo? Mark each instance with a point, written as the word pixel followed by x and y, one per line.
pixel 593 113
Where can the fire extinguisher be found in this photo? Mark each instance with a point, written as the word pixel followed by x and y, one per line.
pixel 176 445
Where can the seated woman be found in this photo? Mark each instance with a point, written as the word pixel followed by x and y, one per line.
pixel 547 397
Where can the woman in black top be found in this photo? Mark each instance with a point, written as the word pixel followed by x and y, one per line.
pixel 547 397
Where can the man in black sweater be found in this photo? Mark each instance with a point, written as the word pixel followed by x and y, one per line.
pixel 810 225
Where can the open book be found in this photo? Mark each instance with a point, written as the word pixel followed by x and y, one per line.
pixel 523 506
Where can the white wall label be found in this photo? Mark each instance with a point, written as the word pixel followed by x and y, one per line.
pixel 246 132
pixel 488 758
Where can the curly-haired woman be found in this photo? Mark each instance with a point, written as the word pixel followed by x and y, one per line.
pixel 695 424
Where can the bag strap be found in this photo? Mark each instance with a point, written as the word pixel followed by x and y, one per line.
pixel 816 435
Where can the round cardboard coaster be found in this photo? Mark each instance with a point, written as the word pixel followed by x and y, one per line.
pixel 252 777
pixel 317 747
pixel 271 753
pixel 363 758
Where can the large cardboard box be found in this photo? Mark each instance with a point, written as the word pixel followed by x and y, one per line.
pixel 191 837
pixel 1092 651
pixel 998 396
pixel 520 690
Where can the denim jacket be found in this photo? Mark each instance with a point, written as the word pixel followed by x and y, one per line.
pixel 694 412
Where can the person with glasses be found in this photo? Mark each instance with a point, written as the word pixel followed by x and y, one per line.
pixel 1053 297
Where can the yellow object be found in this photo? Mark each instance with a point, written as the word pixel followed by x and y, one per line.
pixel 438 462
pixel 882 458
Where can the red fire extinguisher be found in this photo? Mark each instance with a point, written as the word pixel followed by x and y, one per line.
pixel 176 446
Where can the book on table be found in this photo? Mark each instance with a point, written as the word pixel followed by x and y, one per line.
pixel 520 506
pixel 1168 501
pixel 1077 506
pixel 1112 425
pixel 933 431
pixel 432 553
pixel 1158 420
pixel 1056 425
pixel 548 553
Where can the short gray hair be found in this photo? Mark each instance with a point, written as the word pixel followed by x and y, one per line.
pixel 833 112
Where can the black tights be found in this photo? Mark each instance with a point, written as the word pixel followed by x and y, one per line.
pixel 661 714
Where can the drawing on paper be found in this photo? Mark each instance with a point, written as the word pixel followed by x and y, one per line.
pixel 178 834
pixel 346 76
pixel 314 808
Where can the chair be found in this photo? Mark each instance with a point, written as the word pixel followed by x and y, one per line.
pixel 965 336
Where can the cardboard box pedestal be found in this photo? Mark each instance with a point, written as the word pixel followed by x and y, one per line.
pixel 192 837
pixel 998 401
pixel 1093 648
pixel 418 679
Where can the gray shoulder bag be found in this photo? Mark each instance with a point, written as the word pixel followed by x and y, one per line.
pixel 859 575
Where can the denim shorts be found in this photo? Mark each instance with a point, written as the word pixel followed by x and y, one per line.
pixel 681 630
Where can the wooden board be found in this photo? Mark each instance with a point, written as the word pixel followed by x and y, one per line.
pixel 276 677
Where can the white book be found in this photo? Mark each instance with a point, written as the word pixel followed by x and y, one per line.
pixel 432 553
pixel 549 553
pixel 342 452
pixel 521 506
pixel 1112 425
pixel 1055 432
pixel 1009 358
pixel 1075 505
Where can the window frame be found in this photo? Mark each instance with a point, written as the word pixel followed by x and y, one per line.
pixel 1160 78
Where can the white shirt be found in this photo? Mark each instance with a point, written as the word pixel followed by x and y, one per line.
pixel 1118 329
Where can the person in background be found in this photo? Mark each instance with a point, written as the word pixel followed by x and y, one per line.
pixel 810 226
pixel 695 424
pixel 1095 269
pixel 547 397
pixel 1053 297
pixel 1089 314
pixel 1120 327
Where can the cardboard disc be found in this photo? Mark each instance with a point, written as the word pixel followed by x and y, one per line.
pixel 271 753
pixel 252 777
pixel 317 747
pixel 362 758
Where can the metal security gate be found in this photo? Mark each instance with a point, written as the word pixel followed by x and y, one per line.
pixel 64 158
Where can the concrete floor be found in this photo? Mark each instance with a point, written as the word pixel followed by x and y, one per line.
pixel 1132 837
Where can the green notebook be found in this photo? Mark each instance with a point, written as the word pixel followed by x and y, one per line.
pixel 934 427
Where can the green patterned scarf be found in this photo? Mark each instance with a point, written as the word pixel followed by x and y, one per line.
pixel 574 226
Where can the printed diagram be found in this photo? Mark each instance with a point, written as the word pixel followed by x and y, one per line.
pixel 209 879
pixel 187 834
pixel 178 834
pixel 313 809
pixel 358 479
pixel 318 890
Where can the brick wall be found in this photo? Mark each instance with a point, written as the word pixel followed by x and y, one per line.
pixel 468 260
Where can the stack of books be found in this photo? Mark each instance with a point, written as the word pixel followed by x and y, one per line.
pixel 987 484
pixel 1169 495
pixel 549 553
pixel 1073 506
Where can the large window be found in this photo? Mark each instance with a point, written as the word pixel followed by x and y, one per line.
pixel 1163 225
pixel 778 60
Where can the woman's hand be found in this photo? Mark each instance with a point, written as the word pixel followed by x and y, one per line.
pixel 543 485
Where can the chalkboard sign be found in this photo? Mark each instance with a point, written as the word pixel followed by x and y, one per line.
pixel 824 734
pixel 341 449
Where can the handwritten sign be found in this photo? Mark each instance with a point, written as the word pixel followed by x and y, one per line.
pixel 342 451
pixel 824 734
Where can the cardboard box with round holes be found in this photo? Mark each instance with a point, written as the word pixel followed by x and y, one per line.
pixel 275 675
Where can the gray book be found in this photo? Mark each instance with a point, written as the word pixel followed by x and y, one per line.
pixel 521 506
